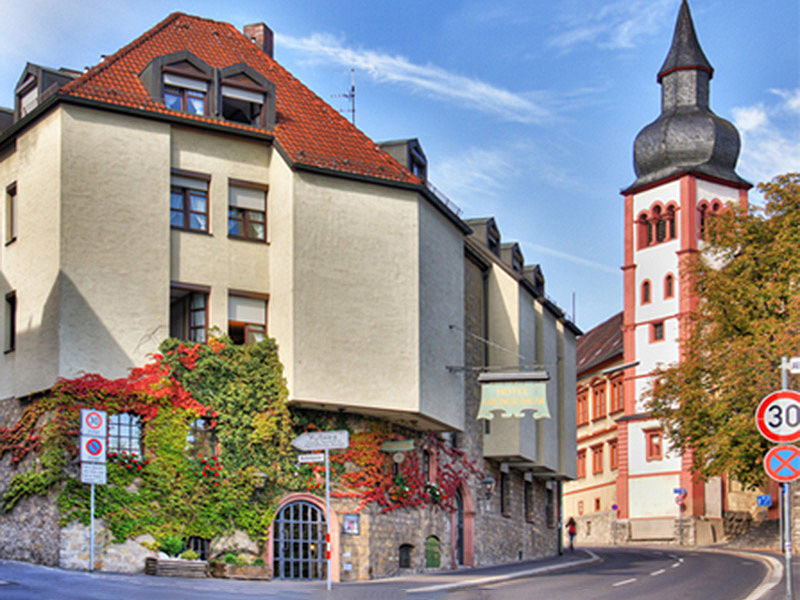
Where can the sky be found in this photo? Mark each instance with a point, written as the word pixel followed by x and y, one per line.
pixel 526 109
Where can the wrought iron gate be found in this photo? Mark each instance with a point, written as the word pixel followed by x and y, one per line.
pixel 299 542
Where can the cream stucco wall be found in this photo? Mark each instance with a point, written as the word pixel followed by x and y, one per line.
pixel 30 265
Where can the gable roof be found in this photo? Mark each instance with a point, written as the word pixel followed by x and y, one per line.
pixel 599 344
pixel 307 130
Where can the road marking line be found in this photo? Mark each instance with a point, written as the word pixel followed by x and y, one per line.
pixel 659 572
pixel 675 565
pixel 623 582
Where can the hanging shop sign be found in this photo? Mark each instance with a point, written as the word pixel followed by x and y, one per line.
pixel 514 393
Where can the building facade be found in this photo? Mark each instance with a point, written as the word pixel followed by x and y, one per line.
pixel 189 184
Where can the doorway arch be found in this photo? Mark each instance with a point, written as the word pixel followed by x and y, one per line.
pixel 463 528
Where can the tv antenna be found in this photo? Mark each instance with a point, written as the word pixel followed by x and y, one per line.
pixel 350 95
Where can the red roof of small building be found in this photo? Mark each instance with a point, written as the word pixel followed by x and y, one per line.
pixel 599 344
pixel 307 129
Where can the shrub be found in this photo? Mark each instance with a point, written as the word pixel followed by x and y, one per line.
pixel 258 562
pixel 242 560
pixel 171 545
pixel 229 559
pixel 189 555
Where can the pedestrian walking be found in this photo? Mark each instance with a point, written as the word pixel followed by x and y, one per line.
pixel 572 530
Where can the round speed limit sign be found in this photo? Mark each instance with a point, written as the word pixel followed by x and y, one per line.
pixel 778 417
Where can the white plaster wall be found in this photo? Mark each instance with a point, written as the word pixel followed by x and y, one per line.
pixel 216 260
pixel 527 347
pixel 567 408
pixel 637 456
pixel 651 354
pixel 707 190
pixel 355 294
pixel 652 496
pixel 114 284
pixel 669 192
pixel 547 429
pixel 441 304
pixel 30 264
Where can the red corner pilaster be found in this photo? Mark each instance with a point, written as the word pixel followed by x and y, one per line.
pixel 687 299
pixel 629 315
pixel 622 471
pixel 743 201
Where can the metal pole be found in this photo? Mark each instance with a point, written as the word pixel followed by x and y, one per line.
pixel 787 502
pixel 614 525
pixel 91 527
pixel 328 514
pixel 680 523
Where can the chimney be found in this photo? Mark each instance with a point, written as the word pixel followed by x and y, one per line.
pixel 261 36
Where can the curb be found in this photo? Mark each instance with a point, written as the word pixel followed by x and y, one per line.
pixel 774 570
pixel 478 581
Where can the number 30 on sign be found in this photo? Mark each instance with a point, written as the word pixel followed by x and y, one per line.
pixel 778 417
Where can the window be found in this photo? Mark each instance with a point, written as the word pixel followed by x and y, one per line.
pixel 670 218
pixel 199 545
pixel 653 444
pixel 657 331
pixel 613 456
pixel 656 226
pixel 426 466
pixel 528 500
pixel 418 164
pixel 11 213
pixel 124 433
pixel 645 231
pixel 616 394
pixel 242 105
pixel 247 211
pixel 188 313
pixel 493 238
pixel 550 511
pixel 433 552
pixel 188 203
pixel 404 561
pixel 583 407
pixel 669 286
pixel 201 439
pixel 646 292
pixel 10 330
pixel 247 318
pixel 504 494
pixel 596 506
pixel 597 458
pixel 582 463
pixel 580 507
pixel 28 94
pixel 185 94
pixel 599 400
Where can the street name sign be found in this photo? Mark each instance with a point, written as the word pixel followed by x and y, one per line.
pixel 93 473
pixel 681 491
pixel 778 417
pixel 782 463
pixel 764 500
pixel 794 365
pixel 322 440
pixel 310 458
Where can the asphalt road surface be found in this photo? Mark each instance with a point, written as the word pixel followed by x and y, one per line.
pixel 623 573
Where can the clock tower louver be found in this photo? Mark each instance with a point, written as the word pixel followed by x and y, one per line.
pixel 685 171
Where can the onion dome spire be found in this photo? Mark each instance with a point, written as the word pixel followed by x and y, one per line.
pixel 687 136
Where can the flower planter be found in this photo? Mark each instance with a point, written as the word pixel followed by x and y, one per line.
pixel 241 572
pixel 175 567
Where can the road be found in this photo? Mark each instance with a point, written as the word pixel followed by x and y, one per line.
pixel 622 573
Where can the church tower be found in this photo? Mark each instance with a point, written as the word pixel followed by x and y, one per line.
pixel 684 163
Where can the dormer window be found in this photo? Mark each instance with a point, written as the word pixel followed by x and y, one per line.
pixel 493 239
pixel 28 94
pixel 417 163
pixel 185 94
pixel 242 106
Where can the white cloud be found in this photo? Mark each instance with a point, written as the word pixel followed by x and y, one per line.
pixel 426 79
pixel 770 134
pixel 578 260
pixel 618 24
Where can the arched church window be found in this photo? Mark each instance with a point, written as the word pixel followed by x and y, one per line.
pixel 669 286
pixel 645 292
pixel 670 219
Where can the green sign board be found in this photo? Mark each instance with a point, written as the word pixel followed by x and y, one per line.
pixel 512 398
pixel 398 446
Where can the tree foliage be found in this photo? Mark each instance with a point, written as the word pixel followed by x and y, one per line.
pixel 748 281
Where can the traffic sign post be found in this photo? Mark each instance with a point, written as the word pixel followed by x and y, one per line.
pixel 94 435
pixel 323 440
pixel 680 496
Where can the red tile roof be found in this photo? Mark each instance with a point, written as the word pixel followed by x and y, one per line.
pixel 599 344
pixel 307 129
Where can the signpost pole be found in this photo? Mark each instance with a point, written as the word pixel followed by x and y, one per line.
pixel 91 527
pixel 328 513
pixel 787 504
pixel 680 523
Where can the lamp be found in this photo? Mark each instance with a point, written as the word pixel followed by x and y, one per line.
pixel 488 484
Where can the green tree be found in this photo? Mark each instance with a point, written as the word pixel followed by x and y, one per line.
pixel 748 283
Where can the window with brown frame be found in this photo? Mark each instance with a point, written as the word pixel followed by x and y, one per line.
pixel 188 203
pixel 597 505
pixel 657 331
pixel 185 94
pixel 669 286
pixel 11 213
pixel 582 412
pixel 582 463
pixel 599 401
pixel 653 444
pixel 616 394
pixel 247 211
pixel 613 454
pixel 10 329
pixel 188 314
pixel 247 318
pixel 597 458
pixel 656 226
